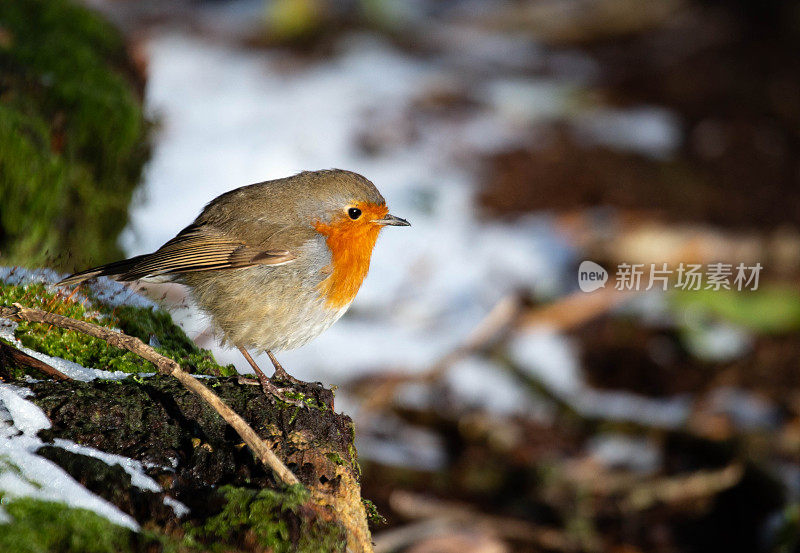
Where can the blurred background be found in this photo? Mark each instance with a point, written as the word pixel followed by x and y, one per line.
pixel 498 408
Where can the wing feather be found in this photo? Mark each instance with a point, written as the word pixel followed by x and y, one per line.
pixel 201 248
pixel 195 248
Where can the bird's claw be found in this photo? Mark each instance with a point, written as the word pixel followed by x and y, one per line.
pixel 282 376
pixel 280 393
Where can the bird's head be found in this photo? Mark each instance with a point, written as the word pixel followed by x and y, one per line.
pixel 351 215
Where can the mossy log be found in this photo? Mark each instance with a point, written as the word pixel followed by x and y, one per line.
pixel 233 502
pixel 197 459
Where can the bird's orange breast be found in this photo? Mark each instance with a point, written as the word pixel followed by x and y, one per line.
pixel 350 243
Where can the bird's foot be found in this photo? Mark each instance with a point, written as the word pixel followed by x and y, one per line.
pixel 281 394
pixel 282 376
pixel 271 389
pixel 280 373
pixel 286 395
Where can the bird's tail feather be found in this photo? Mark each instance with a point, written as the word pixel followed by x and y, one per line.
pixel 112 270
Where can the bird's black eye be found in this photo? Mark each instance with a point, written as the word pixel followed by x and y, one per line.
pixel 354 213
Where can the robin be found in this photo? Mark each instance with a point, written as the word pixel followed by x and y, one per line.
pixel 274 263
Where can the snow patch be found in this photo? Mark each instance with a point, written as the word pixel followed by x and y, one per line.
pixel 178 508
pixel 25 474
pixel 549 357
pixel 37 477
pixel 25 415
pixel 133 467
pixel 69 368
pixel 618 451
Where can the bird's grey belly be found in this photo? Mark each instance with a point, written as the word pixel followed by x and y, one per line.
pixel 265 308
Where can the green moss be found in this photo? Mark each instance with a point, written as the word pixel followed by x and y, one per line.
pixel 73 133
pixel 309 402
pixel 39 526
pixel 146 324
pixel 768 310
pixel 263 515
pixel 248 517
pixel 374 517
pixel 149 324
pixel 335 458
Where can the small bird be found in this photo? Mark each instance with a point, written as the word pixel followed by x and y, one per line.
pixel 274 263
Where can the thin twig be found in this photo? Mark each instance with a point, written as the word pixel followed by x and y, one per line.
pixel 165 366
pixel 507 316
pixel 497 322
pixel 683 488
pixel 433 516
pixel 572 311
pixel 20 356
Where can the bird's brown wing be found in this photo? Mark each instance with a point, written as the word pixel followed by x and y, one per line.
pixel 195 248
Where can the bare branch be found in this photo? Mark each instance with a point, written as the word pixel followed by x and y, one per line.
pixel 19 356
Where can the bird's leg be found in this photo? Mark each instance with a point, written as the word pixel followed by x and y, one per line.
pixel 266 383
pixel 259 373
pixel 280 372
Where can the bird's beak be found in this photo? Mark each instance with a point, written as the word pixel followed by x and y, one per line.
pixel 392 221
